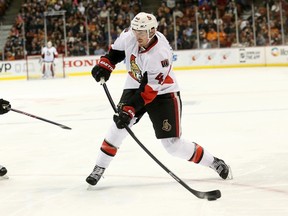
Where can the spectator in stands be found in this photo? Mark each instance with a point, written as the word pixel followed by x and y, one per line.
pixel 205 44
pixel 10 56
pixel 162 24
pixel 4 5
pixel 99 50
pixel 34 49
pixel 19 54
pixel 81 8
pixel 212 37
pixel 204 5
pixel 202 24
pixel 222 37
pixel 78 50
pixel 104 13
pixel 221 5
pixel 202 34
pixel 275 32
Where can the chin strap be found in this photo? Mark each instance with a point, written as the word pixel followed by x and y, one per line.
pixel 150 38
pixel 142 49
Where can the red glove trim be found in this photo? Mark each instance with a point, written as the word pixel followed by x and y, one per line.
pixel 105 63
pixel 129 110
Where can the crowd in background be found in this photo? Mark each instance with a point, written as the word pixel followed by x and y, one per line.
pixel 4 5
pixel 80 17
pixel 199 24
pixel 224 23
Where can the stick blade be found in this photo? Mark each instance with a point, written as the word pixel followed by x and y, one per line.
pixel 210 195
pixel 65 127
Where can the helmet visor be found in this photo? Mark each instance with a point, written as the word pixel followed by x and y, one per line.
pixel 140 33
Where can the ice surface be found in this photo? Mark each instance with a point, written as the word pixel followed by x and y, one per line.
pixel 240 115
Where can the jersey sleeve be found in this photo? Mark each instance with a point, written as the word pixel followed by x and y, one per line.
pixel 116 53
pixel 43 52
pixel 122 40
pixel 55 52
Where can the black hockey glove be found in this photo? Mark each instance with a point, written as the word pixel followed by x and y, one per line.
pixel 4 106
pixel 124 116
pixel 102 69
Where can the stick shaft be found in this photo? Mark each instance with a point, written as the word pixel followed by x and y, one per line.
pixel 40 118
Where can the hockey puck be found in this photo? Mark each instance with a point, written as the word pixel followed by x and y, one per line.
pixel 212 199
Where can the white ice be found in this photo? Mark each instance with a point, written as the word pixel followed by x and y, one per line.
pixel 239 115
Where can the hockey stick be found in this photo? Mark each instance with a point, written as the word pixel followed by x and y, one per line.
pixel 42 119
pixel 210 195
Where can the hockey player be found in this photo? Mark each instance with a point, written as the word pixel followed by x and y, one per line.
pixel 151 87
pixel 48 54
pixel 4 108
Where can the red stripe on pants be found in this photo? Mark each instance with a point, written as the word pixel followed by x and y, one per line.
pixel 198 154
pixel 108 149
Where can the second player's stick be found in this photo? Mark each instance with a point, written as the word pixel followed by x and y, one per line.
pixel 39 118
pixel 209 195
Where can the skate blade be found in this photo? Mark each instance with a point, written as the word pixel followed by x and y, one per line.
pixel 91 187
pixel 230 175
pixel 5 177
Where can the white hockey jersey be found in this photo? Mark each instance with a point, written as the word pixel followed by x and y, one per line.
pixel 49 54
pixel 156 61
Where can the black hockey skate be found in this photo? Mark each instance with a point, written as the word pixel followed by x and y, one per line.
pixel 3 171
pixel 221 168
pixel 95 176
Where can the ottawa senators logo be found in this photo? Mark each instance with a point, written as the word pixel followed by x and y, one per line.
pixel 135 72
pixel 166 125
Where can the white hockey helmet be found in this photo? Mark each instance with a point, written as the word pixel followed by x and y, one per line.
pixel 49 44
pixel 144 21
